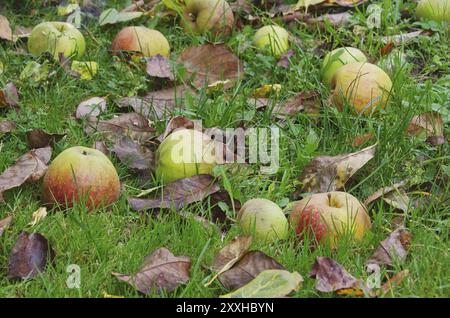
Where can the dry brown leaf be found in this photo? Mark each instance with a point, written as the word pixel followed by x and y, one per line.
pixel 178 193
pixel 29 256
pixel 101 146
pixel 394 281
pixel 38 138
pixel 7 126
pixel 159 103
pixel 8 95
pixel 5 29
pixel 392 249
pixel 401 38
pixel 161 271
pixel 218 215
pixel 133 155
pixel 159 66
pixel 335 19
pixel 284 61
pixel 324 173
pixel 303 101
pixel 229 255
pixel 174 124
pixel 360 140
pixel 91 107
pixel 4 223
pixel 428 126
pixel 30 167
pixel 210 63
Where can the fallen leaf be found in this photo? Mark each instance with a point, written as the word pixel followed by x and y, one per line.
pixel 306 3
pixel 29 256
pixel 178 193
pixel 229 255
pixel 266 91
pixel 176 123
pixel 393 281
pixel 401 38
pixel 106 295
pixel 393 249
pixel 221 202
pixel 159 66
pixel 360 140
pixel 5 224
pixel 133 155
pixel 331 276
pixel 271 283
pixel 379 193
pixel 35 72
pixel 38 138
pixel 91 107
pixel 112 16
pixel 38 215
pixel 5 29
pixel 8 95
pixel 348 3
pixel 159 103
pixel 101 146
pixel 132 124
pixel 21 32
pixel 304 101
pixel 385 50
pixel 247 268
pixel 284 60
pixel 7 126
pixel 398 199
pixel 324 173
pixel 428 126
pixel 210 63
pixel 67 9
pixel 335 19
pixel 86 70
pixel 259 103
pixel 161 270
pixel 29 167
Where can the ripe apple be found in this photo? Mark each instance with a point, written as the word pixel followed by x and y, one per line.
pixel 326 217
pixel 272 39
pixel 200 16
pixel 437 10
pixel 149 42
pixel 81 175
pixel 55 38
pixel 185 153
pixel 337 58
pixel 263 219
pixel 365 87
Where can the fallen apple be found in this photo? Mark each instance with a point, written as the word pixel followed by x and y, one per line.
pixel 327 217
pixel 337 58
pixel 140 39
pixel 200 16
pixel 437 10
pixel 364 86
pixel 272 39
pixel 81 175
pixel 56 38
pixel 185 153
pixel 263 219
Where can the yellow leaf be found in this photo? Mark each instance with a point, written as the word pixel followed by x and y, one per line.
pixel 87 70
pixel 266 90
pixel 38 215
pixel 217 86
pixel 306 3
pixel 106 295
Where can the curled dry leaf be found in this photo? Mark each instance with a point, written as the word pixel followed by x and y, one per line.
pixel 132 124
pixel 5 29
pixel 428 126
pixel 91 107
pixel 360 140
pixel 220 203
pixel 272 283
pixel 331 276
pixel 324 173
pixel 229 255
pixel 159 66
pixel 178 193
pixel 176 123
pixel 335 19
pixel 381 192
pixel 7 126
pixel 247 268
pixel 392 249
pixel 161 271
pixel 8 95
pixel 4 223
pixel 29 167
pixel 135 156
pixel 38 215
pixel 38 138
pixel 159 103
pixel 304 101
pixel 29 256
pixel 284 61
pixel 101 146
pixel 401 38
pixel 210 63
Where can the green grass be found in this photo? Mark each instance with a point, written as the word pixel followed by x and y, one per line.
pixel 117 239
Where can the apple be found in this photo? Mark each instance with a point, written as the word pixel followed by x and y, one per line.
pixel 365 87
pixel 200 16
pixel 263 219
pixel 81 175
pixel 437 10
pixel 55 38
pixel 185 153
pixel 272 39
pixel 326 217
pixel 337 58
pixel 140 39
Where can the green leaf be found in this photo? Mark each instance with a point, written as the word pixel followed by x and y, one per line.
pixel 271 283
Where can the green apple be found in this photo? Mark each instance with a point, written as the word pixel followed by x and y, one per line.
pixel 364 86
pixel 55 38
pixel 263 219
pixel 185 153
pixel 327 217
pixel 200 16
pixel 272 39
pixel 437 10
pixel 81 175
pixel 337 58
pixel 147 41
